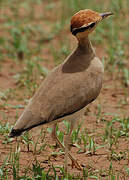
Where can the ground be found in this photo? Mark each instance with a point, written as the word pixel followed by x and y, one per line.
pixel 34 38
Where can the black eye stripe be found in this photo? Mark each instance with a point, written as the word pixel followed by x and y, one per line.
pixel 82 29
pixel 92 25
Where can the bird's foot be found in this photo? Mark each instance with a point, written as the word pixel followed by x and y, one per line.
pixel 76 164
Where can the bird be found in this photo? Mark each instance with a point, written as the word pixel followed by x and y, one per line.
pixel 69 87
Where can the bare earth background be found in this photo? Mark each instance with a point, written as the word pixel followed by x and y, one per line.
pixel 34 38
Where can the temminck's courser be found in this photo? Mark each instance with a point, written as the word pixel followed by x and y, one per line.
pixel 69 87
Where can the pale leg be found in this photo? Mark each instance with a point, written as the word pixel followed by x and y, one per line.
pixel 67 141
pixel 65 149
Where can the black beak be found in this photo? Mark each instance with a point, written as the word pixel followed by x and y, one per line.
pixel 106 14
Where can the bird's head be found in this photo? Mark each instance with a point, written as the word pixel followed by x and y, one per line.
pixel 85 21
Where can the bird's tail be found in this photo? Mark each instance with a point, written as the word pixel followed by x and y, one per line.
pixel 15 133
pixel 26 122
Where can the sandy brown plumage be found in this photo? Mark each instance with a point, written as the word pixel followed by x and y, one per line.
pixel 69 87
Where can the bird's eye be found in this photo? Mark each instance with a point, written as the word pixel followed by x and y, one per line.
pixel 82 29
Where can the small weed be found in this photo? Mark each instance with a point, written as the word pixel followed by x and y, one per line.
pixel 42 144
pixel 3 170
pixel 5 128
pixel 75 134
pixel 14 162
pixel 27 140
pixel 31 32
pixel 112 134
pixel 117 156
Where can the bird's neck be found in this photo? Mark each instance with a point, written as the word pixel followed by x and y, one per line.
pixel 85 45
pixel 80 58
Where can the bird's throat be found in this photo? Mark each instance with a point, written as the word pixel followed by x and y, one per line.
pixel 85 45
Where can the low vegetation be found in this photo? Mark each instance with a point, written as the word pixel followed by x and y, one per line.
pixel 34 38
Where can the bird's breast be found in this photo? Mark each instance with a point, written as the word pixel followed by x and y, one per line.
pixel 64 93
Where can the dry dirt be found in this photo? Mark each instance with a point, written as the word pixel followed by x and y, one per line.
pixel 110 98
